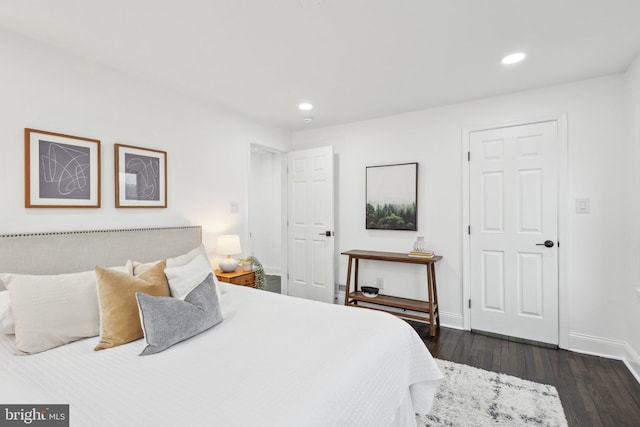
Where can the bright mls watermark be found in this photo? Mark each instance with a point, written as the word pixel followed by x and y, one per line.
pixel 34 415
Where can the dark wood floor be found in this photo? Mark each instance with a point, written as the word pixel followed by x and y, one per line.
pixel 594 391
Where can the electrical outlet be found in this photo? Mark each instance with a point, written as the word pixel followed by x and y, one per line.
pixel 379 283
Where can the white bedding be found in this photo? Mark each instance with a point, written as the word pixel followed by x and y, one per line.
pixel 273 361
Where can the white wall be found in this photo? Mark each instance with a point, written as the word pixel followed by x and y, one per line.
pixel 600 254
pixel 48 89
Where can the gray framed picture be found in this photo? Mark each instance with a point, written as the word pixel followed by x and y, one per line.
pixel 61 171
pixel 392 197
pixel 141 177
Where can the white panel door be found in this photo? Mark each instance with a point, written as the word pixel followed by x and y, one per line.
pixel 513 176
pixel 310 230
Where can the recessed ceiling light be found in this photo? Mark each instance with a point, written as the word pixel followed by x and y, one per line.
pixel 514 58
pixel 305 106
pixel 308 119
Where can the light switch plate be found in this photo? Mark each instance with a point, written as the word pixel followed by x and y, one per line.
pixel 583 206
pixel 233 207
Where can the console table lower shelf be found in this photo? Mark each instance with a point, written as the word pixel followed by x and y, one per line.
pixel 427 311
pixel 396 302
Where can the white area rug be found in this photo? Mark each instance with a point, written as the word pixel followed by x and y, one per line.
pixel 474 397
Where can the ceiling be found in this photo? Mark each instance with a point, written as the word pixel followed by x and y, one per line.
pixel 353 59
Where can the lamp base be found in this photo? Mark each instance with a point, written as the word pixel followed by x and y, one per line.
pixel 228 265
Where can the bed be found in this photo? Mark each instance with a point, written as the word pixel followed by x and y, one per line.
pixel 273 360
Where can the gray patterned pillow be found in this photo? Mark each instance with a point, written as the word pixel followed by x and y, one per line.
pixel 167 321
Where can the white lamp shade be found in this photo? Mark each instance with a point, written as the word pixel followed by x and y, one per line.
pixel 229 244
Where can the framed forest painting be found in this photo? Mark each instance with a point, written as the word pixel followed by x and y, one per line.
pixel 392 197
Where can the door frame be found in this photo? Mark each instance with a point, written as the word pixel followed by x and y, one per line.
pixel 283 205
pixel 563 210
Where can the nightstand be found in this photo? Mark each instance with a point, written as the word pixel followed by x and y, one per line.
pixel 242 278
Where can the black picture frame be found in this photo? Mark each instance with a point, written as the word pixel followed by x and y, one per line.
pixel 392 197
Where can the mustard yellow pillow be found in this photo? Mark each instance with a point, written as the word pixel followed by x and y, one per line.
pixel 120 319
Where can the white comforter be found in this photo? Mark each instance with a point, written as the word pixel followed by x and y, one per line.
pixel 273 361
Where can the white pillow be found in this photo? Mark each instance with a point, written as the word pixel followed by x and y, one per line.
pixel 188 257
pixel 138 267
pixel 52 310
pixel 6 319
pixel 185 278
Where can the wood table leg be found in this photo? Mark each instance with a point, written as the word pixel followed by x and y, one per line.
pixel 355 279
pixel 348 284
pixel 432 323
pixel 435 294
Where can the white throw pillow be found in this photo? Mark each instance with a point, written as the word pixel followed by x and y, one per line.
pixel 186 277
pixel 53 310
pixel 179 261
pixel 188 257
pixel 6 319
pixel 139 267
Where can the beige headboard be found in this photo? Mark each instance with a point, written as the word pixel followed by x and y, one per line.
pixel 66 252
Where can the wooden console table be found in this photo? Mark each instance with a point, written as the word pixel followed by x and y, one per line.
pixel 429 308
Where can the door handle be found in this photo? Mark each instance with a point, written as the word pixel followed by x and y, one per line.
pixel 547 243
pixel 326 233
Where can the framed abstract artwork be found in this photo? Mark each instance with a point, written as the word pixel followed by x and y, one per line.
pixel 392 197
pixel 140 177
pixel 61 171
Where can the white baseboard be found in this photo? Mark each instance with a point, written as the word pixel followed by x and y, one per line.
pixel 604 347
pixel 451 320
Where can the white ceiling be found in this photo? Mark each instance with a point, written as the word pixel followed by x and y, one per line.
pixel 353 59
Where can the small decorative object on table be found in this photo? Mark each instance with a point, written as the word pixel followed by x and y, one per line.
pixel 245 264
pixel 370 291
pixel 422 254
pixel 419 249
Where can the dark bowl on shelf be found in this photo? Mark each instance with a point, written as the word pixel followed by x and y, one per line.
pixel 370 291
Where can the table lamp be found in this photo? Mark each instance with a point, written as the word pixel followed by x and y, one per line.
pixel 228 244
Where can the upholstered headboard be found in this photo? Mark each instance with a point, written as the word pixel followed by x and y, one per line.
pixel 66 252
